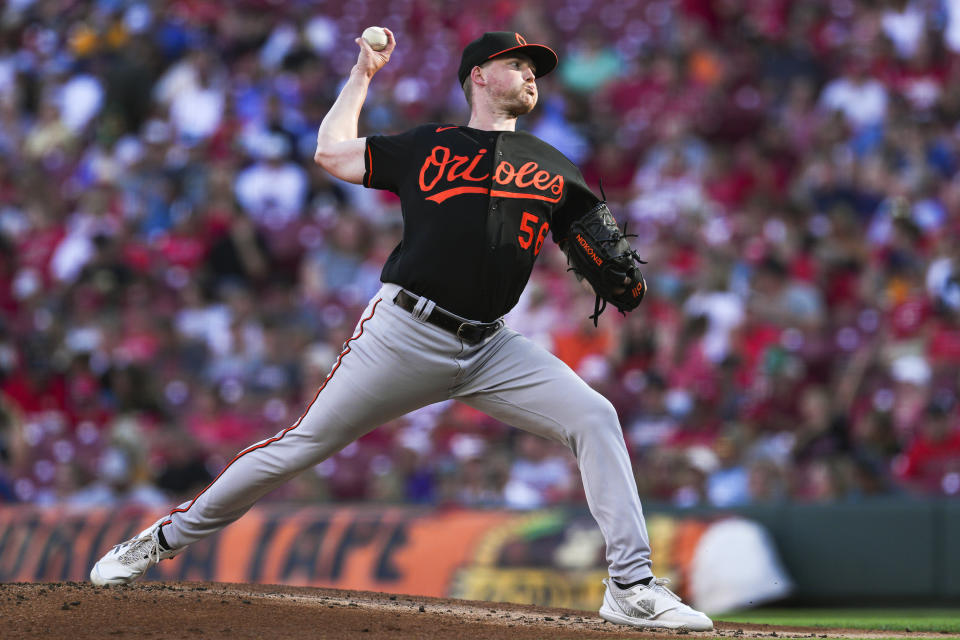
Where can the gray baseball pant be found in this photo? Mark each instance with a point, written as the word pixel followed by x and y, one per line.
pixel 395 363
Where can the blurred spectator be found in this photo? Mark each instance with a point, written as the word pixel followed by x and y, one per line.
pixel 767 483
pixel 272 192
pixel 49 135
pixel 480 482
pixel 904 23
pixel 861 98
pixel 540 474
pixel 241 256
pixel 591 64
pixel 729 484
pixel 80 99
pixel 181 464
pixel 931 462
pixel 785 301
pixel 117 481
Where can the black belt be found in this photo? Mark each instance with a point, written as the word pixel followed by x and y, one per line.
pixel 469 332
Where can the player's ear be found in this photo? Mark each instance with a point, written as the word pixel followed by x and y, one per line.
pixel 478 76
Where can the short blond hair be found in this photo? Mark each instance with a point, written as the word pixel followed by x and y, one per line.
pixel 468 91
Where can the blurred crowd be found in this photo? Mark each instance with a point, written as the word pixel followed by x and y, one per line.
pixel 177 277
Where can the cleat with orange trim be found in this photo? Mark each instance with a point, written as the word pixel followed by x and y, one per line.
pixel 129 560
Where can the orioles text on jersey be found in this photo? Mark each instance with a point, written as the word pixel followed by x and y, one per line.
pixel 442 169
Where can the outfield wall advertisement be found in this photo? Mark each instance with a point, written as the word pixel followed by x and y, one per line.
pixel 550 557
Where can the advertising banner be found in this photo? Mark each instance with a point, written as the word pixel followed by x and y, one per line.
pixel 551 557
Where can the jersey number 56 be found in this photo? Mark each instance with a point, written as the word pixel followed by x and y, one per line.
pixel 527 225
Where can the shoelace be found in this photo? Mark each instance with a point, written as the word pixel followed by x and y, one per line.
pixel 135 552
pixel 661 585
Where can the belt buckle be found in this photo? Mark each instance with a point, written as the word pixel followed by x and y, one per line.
pixel 462 332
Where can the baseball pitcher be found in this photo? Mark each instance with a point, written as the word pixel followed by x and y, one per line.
pixel 478 202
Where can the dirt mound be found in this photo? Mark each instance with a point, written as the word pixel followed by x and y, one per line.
pixel 159 610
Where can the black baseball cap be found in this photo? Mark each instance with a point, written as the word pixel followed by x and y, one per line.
pixel 497 43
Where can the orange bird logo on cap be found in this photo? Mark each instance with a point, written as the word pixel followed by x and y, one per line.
pixel 520 38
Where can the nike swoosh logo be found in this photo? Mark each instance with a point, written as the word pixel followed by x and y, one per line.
pixel 439 129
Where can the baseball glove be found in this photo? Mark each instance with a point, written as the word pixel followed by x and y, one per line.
pixel 598 251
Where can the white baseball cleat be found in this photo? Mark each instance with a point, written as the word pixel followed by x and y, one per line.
pixel 129 560
pixel 650 606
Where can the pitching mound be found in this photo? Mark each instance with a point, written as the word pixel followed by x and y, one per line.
pixel 77 611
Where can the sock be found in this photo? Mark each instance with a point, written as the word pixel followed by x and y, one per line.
pixel 163 541
pixel 644 581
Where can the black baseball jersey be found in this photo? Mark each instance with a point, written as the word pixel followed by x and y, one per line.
pixel 477 207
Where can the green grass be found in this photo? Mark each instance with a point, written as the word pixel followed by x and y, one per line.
pixel 935 620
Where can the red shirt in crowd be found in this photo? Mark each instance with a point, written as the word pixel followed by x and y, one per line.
pixel 928 461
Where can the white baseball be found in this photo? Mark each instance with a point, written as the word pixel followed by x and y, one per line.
pixel 376 37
